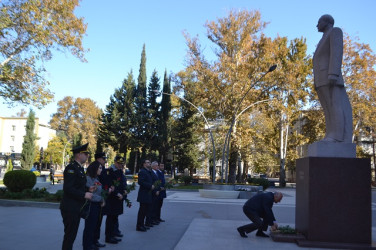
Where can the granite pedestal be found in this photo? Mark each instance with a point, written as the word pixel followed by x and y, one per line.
pixel 333 202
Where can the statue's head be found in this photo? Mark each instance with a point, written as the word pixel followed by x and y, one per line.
pixel 324 22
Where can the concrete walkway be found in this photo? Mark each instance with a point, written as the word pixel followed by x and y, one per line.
pixel 192 222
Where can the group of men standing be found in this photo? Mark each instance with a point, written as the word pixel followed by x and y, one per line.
pixel 150 195
pixel 111 186
pixel 113 183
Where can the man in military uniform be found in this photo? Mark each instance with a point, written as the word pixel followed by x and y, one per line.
pixel 75 193
pixel 115 200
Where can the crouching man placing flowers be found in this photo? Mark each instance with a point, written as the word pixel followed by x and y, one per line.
pixel 259 210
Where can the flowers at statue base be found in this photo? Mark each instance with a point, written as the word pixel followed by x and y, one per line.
pixel 129 203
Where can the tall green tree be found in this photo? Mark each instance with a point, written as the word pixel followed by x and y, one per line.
pixel 30 31
pixel 153 137
pixel 141 105
pixel 28 146
pixel 165 124
pixel 117 125
pixel 186 139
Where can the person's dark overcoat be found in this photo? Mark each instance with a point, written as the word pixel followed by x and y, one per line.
pixel 262 204
pixel 114 206
pixel 145 181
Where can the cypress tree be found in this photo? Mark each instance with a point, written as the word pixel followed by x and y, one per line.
pixel 186 139
pixel 28 146
pixel 118 117
pixel 164 128
pixel 153 111
pixel 141 105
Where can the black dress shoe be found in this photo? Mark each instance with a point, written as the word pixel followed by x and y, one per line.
pixel 98 244
pixel 261 234
pixel 118 239
pixel 155 223
pixel 241 232
pixel 141 229
pixel 160 220
pixel 112 241
pixel 148 225
pixel 119 235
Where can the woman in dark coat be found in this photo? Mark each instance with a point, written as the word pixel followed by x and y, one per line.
pixel 97 202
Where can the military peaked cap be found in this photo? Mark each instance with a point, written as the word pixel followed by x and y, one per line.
pixel 119 159
pixel 100 155
pixel 81 149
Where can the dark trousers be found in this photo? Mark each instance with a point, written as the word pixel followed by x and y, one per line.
pixel 110 225
pixel 90 225
pixel 152 211
pixel 159 208
pixel 97 231
pixel 71 222
pixel 116 227
pixel 258 223
pixel 142 211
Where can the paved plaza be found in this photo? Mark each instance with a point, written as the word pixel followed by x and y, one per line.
pixel 192 222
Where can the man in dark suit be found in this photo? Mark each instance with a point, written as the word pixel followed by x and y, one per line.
pixel 259 210
pixel 115 200
pixel 74 196
pixel 151 217
pixel 162 193
pixel 329 84
pixel 144 197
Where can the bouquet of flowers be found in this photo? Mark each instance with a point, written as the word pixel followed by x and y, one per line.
pixel 131 187
pixel 129 203
pixel 116 182
pixel 105 192
pixel 170 184
pixel 157 184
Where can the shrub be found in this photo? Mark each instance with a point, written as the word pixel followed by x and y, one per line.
pixel 19 180
pixel 186 179
pixel 59 195
pixel 259 182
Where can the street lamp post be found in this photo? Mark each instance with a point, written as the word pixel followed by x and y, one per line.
pixel 64 154
pixel 206 121
pixel 226 145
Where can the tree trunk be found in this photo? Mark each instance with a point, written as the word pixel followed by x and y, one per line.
pixel 135 163
pixel 232 163
pixel 245 171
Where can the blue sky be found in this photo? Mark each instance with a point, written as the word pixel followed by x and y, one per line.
pixel 117 30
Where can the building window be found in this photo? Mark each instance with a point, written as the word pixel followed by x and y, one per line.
pixel 14 127
pixel 12 149
pixel 12 138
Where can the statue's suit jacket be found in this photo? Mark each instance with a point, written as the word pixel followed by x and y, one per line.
pixel 327 59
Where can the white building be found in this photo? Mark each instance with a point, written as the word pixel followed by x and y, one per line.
pixel 13 130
